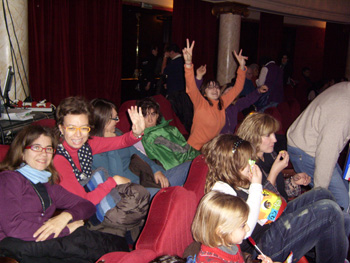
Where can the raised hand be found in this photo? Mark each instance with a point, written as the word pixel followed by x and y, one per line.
pixel 52 226
pixel 137 119
pixel 281 161
pixel 301 179
pixel 187 52
pixel 201 72
pixel 279 164
pixel 263 89
pixel 240 58
pixel 256 174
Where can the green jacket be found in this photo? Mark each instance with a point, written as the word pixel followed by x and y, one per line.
pixel 166 144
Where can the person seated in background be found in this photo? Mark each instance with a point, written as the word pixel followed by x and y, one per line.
pixel 29 198
pixel 120 161
pixel 74 158
pixel 209 105
pixel 248 87
pixel 255 73
pixel 162 142
pixel 259 129
pixel 287 67
pixel 270 75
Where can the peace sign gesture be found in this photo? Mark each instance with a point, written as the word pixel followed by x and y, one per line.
pixel 187 52
pixel 240 58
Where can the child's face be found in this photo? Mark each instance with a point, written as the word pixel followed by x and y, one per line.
pixel 212 91
pixel 237 235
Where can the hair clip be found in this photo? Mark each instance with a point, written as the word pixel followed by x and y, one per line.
pixel 237 144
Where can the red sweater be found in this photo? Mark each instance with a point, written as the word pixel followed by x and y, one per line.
pixel 98 145
pixel 208 120
pixel 214 254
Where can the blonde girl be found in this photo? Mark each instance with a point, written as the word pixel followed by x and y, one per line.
pixel 220 225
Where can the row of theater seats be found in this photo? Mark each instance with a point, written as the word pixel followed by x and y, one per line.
pixel 168 226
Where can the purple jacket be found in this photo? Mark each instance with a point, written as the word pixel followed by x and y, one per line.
pixel 232 111
pixel 22 212
pixel 274 81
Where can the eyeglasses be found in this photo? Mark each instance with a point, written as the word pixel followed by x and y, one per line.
pixel 38 148
pixel 115 119
pixel 72 129
pixel 153 114
pixel 213 87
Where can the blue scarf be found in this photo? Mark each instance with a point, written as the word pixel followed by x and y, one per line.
pixel 34 175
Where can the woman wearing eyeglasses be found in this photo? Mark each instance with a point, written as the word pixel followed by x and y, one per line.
pixel 73 159
pixel 29 197
pixel 209 104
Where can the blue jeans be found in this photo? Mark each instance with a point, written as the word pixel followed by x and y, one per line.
pixel 311 220
pixel 177 176
pixel 302 162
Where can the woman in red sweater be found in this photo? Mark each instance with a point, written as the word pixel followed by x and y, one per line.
pixel 209 106
pixel 73 159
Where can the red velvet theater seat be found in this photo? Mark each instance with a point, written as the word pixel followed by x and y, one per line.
pixel 165 108
pixel 196 177
pixel 167 230
pixel 3 151
pixel 136 256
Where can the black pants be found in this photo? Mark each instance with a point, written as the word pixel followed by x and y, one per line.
pixel 81 246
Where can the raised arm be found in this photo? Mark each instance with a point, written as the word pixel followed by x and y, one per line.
pixel 187 53
pixel 237 88
pixel 241 59
pixel 191 86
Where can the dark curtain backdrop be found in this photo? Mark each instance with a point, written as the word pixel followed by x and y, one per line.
pixel 335 50
pixel 193 19
pixel 270 36
pixel 75 49
pixel 309 50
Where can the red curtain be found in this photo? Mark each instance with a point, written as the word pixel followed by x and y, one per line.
pixel 335 50
pixel 192 19
pixel 270 36
pixel 75 49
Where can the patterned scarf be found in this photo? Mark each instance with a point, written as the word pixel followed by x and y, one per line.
pixel 85 161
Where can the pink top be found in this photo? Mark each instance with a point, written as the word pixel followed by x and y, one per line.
pixel 98 145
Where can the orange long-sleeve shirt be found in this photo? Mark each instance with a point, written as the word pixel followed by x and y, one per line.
pixel 208 120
